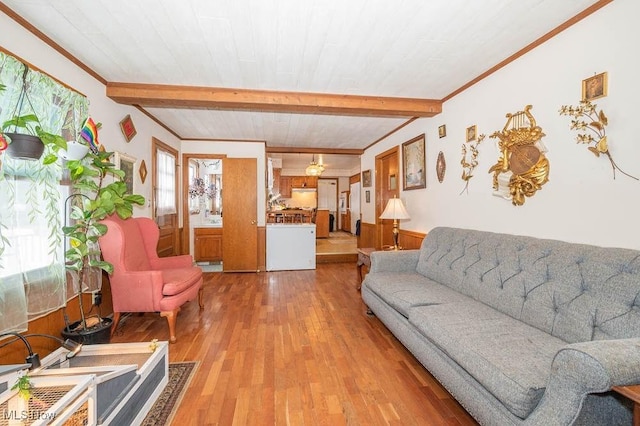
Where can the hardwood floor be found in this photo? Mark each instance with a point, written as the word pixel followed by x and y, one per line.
pixel 294 348
pixel 337 248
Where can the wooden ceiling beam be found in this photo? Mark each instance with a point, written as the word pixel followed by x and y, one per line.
pixel 301 150
pixel 170 96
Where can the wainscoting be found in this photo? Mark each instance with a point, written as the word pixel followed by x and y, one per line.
pixel 406 239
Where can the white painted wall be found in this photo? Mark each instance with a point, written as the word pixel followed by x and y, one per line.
pixel 237 150
pixel 26 46
pixel 581 202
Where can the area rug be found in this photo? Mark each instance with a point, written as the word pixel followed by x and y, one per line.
pixel 165 407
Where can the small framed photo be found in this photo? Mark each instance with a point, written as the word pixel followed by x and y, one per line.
pixel 594 87
pixel 442 131
pixel 367 196
pixel 128 129
pixel 471 133
pixel 127 164
pixel 414 161
pixel 366 178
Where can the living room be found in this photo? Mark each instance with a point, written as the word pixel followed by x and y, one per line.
pixel 582 202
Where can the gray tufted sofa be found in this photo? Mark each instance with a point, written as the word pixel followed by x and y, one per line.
pixel 520 330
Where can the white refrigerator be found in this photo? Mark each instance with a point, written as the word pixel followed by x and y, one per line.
pixel 291 246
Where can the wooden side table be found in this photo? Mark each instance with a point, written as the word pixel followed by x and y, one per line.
pixel 633 393
pixel 364 259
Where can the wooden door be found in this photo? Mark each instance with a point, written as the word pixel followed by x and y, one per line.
pixel 240 214
pixel 168 242
pixel 387 186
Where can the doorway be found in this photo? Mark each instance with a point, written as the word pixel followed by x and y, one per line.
pixel 328 199
pixel 387 187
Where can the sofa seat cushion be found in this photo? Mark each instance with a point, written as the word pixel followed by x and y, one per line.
pixel 405 290
pixel 512 360
pixel 178 280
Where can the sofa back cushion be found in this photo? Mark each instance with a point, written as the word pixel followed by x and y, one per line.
pixel 575 292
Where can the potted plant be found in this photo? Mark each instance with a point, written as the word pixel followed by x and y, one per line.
pixel 92 201
pixel 25 135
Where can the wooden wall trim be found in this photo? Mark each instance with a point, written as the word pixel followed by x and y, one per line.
pixel 407 239
pixel 560 28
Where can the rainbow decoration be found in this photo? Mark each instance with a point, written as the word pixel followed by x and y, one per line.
pixel 89 133
pixel 3 143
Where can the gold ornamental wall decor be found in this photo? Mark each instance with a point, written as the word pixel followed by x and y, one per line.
pixel 522 167
pixel 591 125
pixel 469 160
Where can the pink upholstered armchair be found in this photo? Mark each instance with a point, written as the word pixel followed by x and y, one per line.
pixel 142 281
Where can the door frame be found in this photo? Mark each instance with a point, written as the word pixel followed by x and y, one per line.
pixel 186 237
pixel 158 145
pixel 380 181
pixel 337 216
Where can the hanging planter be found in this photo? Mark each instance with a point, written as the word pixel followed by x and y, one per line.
pixel 25 147
pixel 25 136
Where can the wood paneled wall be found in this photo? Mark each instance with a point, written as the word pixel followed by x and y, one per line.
pixel 53 324
pixel 406 239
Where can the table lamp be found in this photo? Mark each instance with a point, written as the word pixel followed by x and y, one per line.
pixel 395 210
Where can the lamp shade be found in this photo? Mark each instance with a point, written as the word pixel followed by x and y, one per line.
pixel 395 210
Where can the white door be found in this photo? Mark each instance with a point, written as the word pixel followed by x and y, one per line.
pixel 354 205
pixel 328 197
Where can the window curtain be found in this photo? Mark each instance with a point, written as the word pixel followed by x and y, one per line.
pixel 166 183
pixel 32 273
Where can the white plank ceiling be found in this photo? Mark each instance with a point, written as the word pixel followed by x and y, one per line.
pixel 410 48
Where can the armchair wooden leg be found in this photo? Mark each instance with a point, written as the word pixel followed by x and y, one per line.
pixel 116 320
pixel 200 300
pixel 171 320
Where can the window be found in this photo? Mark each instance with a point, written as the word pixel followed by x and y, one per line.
pixel 166 183
pixel 32 273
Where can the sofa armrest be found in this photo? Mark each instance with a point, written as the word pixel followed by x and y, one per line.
pixel 582 368
pixel 394 261
pixel 172 262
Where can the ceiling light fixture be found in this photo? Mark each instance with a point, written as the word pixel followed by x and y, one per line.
pixel 314 169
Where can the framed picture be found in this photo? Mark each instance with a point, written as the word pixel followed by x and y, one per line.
pixel 471 133
pixel 367 196
pixel 442 131
pixel 594 87
pixel 413 160
pixel 128 129
pixel 127 164
pixel 366 178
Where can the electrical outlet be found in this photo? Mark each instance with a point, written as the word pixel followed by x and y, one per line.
pixel 96 298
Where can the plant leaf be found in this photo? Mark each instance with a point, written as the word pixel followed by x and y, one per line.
pixel 595 151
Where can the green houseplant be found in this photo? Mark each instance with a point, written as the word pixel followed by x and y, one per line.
pixel 25 135
pixel 93 200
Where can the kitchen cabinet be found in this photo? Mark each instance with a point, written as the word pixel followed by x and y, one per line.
pixel 290 182
pixel 285 186
pixel 322 224
pixel 207 244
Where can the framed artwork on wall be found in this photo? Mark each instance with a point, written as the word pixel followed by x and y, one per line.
pixel 127 164
pixel 442 131
pixel 366 178
pixel 471 133
pixel 413 161
pixel 367 196
pixel 127 128
pixel 594 87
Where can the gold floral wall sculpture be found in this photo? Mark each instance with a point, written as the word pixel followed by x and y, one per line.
pixel 591 125
pixel 469 161
pixel 522 168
